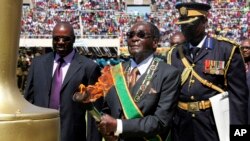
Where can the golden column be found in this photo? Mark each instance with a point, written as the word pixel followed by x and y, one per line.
pixel 19 120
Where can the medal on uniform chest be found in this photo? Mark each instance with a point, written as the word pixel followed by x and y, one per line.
pixel 214 67
pixel 207 66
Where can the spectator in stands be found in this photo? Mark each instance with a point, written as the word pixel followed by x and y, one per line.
pixel 245 48
pixel 177 38
pixel 54 77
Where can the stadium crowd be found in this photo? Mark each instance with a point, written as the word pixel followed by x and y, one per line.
pixel 229 19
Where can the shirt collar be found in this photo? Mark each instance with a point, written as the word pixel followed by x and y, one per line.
pixel 200 44
pixel 68 58
pixel 143 66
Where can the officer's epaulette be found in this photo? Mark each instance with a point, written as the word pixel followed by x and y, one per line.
pixel 169 54
pixel 173 46
pixel 235 45
pixel 226 40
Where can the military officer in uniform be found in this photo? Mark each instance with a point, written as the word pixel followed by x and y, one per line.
pixel 219 63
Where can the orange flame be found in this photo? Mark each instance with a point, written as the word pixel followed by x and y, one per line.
pixel 93 92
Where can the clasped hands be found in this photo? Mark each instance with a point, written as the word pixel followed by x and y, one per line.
pixel 107 127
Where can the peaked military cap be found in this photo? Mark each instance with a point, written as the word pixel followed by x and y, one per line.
pixel 189 12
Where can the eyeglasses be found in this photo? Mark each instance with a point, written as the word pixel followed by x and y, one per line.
pixel 63 38
pixel 141 34
pixel 245 47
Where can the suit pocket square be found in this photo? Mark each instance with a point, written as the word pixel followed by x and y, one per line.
pixel 152 91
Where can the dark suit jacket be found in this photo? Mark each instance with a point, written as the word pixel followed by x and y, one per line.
pixel 72 114
pixel 157 105
pixel 201 125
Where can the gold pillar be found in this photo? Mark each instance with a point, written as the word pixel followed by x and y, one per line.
pixel 19 120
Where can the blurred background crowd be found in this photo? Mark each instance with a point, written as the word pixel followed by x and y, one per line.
pixel 229 19
pixel 111 19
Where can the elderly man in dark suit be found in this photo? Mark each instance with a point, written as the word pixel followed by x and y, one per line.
pixel 143 96
pixel 51 83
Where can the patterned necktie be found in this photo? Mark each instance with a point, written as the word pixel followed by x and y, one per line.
pixel 132 77
pixel 56 86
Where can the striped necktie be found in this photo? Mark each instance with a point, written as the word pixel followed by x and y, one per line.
pixel 133 77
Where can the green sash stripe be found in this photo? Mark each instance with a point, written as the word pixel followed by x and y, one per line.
pixel 130 109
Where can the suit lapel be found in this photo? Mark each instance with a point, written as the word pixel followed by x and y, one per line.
pixel 48 69
pixel 74 66
pixel 137 85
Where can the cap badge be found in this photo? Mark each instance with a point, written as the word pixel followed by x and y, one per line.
pixel 183 11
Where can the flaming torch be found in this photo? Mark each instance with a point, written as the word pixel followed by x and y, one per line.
pixel 89 94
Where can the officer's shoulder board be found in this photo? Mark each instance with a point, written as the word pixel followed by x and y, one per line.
pixel 169 54
pixel 235 45
pixel 226 40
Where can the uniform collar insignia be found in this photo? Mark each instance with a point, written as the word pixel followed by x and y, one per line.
pixel 183 11
pixel 209 43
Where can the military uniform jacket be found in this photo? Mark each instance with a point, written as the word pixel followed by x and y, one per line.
pixel 157 104
pixel 213 51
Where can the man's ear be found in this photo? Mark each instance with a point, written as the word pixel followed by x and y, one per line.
pixel 155 43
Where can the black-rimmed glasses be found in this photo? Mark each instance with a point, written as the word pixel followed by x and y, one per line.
pixel 141 34
pixel 245 47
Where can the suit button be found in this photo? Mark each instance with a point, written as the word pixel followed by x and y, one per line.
pixel 192 97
